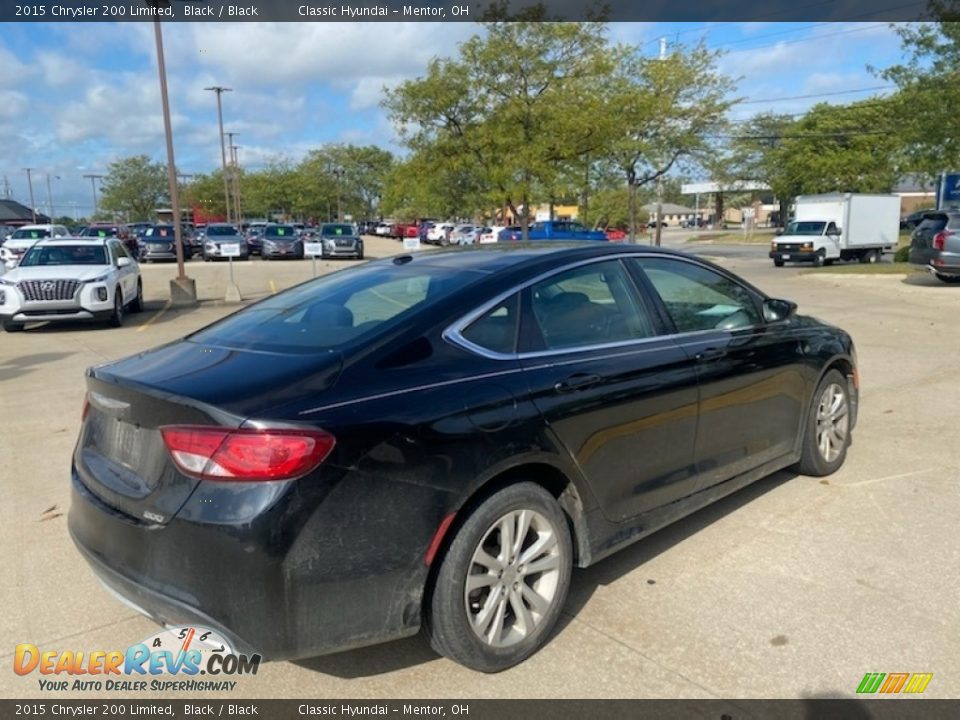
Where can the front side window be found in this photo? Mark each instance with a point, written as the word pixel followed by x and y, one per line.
pixel 698 298
pixel 594 304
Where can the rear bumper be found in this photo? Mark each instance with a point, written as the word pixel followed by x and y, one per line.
pixel 286 583
pixel 937 261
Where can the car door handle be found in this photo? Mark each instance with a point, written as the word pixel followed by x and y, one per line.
pixel 710 354
pixel 576 382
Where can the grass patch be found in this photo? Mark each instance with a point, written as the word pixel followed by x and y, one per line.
pixel 735 238
pixel 855 268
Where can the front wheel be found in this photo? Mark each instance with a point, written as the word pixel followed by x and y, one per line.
pixel 827 434
pixel 12 326
pixel 116 317
pixel 819 259
pixel 137 304
pixel 503 581
pixel 778 263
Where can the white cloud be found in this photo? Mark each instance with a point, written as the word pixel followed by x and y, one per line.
pixel 12 104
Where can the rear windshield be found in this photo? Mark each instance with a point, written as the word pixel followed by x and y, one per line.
pixel 934 223
pixel 30 234
pixel 64 255
pixel 337 230
pixel 284 231
pixel 101 232
pixel 337 309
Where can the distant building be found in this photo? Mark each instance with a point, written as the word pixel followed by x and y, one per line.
pixel 14 214
pixel 673 214
pixel 916 193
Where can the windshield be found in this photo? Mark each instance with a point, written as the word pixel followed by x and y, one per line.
pixel 100 232
pixel 336 309
pixel 336 230
pixel 160 232
pixel 64 255
pixel 806 228
pixel 30 234
pixel 221 230
pixel 280 231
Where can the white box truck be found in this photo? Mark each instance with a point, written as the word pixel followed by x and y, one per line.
pixel 839 226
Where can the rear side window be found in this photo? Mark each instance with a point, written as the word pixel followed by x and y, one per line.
pixel 337 309
pixel 497 329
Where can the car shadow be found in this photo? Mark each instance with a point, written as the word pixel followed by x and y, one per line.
pixel 19 366
pixel 924 279
pixel 409 652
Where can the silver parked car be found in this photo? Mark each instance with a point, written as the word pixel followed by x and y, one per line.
pixel 339 240
pixel 281 241
pixel 220 234
pixel 462 235
pixel 936 245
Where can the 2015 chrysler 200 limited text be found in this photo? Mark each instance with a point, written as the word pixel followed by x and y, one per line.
pixel 439 438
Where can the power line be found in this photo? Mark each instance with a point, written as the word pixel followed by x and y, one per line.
pixel 816 95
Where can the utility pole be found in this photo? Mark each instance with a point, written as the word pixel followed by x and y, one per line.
pixel 231 176
pixel 235 157
pixel 93 184
pixel 657 229
pixel 6 188
pixel 33 208
pixel 183 290
pixel 338 173
pixel 50 196
pixel 220 90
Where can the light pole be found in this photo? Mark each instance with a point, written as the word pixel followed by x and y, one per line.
pixel 232 165
pixel 33 208
pixel 338 173
pixel 50 196
pixel 220 90
pixel 93 184
pixel 183 290
pixel 235 156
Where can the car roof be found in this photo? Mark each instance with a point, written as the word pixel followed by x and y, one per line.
pixel 94 241
pixel 38 226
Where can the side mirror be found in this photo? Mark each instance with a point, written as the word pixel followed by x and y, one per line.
pixel 123 262
pixel 775 310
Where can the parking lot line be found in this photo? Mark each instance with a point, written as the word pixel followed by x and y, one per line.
pixel 273 287
pixel 155 317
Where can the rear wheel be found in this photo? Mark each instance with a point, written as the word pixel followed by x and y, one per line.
pixel 827 434
pixel 503 582
pixel 948 278
pixel 116 317
pixel 870 257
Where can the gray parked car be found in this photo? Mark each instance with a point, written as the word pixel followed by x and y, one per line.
pixel 281 241
pixel 340 240
pixel 936 245
pixel 219 234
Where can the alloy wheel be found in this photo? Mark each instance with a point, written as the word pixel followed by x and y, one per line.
pixel 833 422
pixel 513 578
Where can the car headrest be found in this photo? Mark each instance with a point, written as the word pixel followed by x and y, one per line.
pixel 329 314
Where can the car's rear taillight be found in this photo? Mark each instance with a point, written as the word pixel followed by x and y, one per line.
pixel 86 407
pixel 940 239
pixel 246 454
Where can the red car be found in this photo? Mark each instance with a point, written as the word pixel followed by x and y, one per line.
pixel 616 234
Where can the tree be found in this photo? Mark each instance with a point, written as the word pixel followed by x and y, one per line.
pixel 929 90
pixel 666 110
pixel 512 109
pixel 134 186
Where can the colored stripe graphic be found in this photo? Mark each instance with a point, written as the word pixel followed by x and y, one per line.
pixel 918 682
pixel 871 682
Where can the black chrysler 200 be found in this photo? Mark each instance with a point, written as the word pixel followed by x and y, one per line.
pixel 439 438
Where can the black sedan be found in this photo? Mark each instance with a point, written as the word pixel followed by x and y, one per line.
pixel 438 439
pixel 159 243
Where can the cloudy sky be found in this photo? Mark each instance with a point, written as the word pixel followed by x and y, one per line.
pixel 73 97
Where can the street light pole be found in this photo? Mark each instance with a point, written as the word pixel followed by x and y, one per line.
pixel 50 196
pixel 183 290
pixel 338 173
pixel 235 156
pixel 93 184
pixel 220 90
pixel 33 208
pixel 232 165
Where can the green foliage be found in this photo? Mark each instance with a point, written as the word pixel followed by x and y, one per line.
pixel 902 254
pixel 611 208
pixel 134 187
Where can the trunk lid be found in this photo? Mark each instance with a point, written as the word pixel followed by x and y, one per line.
pixel 121 457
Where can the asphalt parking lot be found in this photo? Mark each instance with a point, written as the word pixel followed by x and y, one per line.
pixel 793 587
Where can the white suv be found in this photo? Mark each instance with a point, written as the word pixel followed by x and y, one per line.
pixel 71 279
pixel 21 239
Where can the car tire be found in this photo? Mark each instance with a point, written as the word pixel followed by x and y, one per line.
pixel 470 625
pixel 950 279
pixel 827 431
pixel 778 263
pixel 819 260
pixel 12 327
pixel 116 317
pixel 360 255
pixel 137 304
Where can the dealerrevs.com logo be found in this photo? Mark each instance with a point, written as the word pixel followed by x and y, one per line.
pixel 185 658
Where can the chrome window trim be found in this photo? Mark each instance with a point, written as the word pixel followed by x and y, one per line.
pixel 454 332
